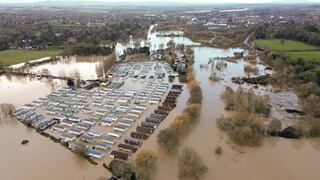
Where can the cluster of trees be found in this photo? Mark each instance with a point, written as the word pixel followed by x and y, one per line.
pixel 244 127
pixel 307 33
pixel 81 28
pixel 141 168
pixel 246 101
pixel 140 50
pixel 304 33
pixel 191 165
pixel 88 49
pixel 306 73
pixel 168 138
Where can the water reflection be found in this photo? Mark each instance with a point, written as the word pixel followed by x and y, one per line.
pixel 18 90
pixel 70 67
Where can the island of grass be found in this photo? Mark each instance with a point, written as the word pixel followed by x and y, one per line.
pixel 16 56
pixel 292 49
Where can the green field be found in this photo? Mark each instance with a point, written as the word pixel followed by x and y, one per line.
pixel 10 57
pixel 293 49
pixel 307 55
pixel 285 45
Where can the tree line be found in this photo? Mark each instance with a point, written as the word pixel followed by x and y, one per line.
pixel 307 33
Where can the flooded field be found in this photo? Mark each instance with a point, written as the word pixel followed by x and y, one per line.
pixel 74 67
pixel 277 158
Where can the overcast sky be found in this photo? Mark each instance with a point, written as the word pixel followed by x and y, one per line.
pixel 182 1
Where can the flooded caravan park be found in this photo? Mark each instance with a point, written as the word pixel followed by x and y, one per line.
pixel 277 158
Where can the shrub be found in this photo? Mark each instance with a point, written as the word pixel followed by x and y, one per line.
pixel 262 105
pixel 274 126
pixel 249 69
pixel 246 101
pixel 218 150
pixel 245 136
pixel 181 123
pixel 146 159
pixel 304 90
pixel 303 127
pixel 195 93
pixel 121 169
pixel 243 129
pixel 145 163
pixel 193 110
pixel 6 110
pixel 190 164
pixel 168 140
pixel 311 105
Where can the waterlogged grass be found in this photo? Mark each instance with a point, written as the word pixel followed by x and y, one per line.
pixel 10 57
pixel 284 45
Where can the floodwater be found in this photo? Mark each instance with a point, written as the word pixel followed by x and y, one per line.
pixel 70 67
pixel 19 90
pixel 41 158
pixel 277 158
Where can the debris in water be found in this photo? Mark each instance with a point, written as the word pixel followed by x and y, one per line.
pixel 23 142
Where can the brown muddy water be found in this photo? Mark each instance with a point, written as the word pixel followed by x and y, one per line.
pixel 277 158
pixel 41 158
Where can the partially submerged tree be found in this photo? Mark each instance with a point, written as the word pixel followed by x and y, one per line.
pixel 145 164
pixel 168 140
pixel 6 110
pixel 243 129
pixel 191 165
pixel 246 101
pixel 146 159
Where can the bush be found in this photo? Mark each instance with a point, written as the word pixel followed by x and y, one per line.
pixel 195 93
pixel 145 163
pixel 262 105
pixel 218 150
pixel 193 111
pixel 194 88
pixel 249 69
pixel 190 164
pixel 246 101
pixel 245 136
pixel 121 169
pixel 7 110
pixel 181 123
pixel 311 105
pixel 302 127
pixel 243 129
pixel 274 126
pixel 168 140
pixel 146 159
